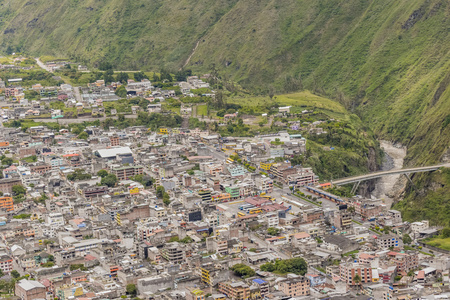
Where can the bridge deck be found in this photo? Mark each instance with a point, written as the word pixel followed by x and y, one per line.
pixel 375 175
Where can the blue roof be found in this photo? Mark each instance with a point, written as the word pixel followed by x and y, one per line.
pixel 258 281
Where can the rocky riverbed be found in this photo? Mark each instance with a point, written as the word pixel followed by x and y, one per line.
pixel 388 187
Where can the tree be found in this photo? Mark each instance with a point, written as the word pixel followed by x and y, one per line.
pixel 83 136
pixel 102 173
pixel 122 77
pixel 160 192
pixel 15 274
pixel 351 209
pixel 166 199
pixel 294 265
pixel 7 161
pixel 356 279
pixel 273 231
pixel 131 289
pixel 121 91
pixel 105 66
pixel 407 239
pixel 445 232
pixel 243 270
pixel 109 180
pixel 138 76
pixel 18 190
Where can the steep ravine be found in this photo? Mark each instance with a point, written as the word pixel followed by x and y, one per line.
pixel 389 187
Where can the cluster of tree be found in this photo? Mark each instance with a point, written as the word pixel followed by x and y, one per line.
pixel 6 161
pixel 243 270
pixel 151 120
pixel 121 91
pixel 138 76
pixel 141 102
pixel 407 239
pixel 294 265
pixel 235 128
pixel 182 75
pixel 196 123
pixel 162 194
pixel 83 135
pixel 273 231
pixel 7 286
pixel 445 233
pixel 19 193
pixel 109 180
pixel 145 180
pixel 22 216
pixel 78 174
pixel 80 267
pixel 131 289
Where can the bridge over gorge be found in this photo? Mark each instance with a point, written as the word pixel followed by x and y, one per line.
pixel 357 179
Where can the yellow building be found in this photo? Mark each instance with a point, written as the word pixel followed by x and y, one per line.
pixel 265 166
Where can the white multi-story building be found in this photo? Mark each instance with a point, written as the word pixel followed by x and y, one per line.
pixel 417 227
pixel 55 219
pixel 272 219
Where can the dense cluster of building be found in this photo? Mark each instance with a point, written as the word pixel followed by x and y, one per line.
pixel 224 201
pixel 166 214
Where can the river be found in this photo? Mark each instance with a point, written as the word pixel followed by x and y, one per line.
pixel 387 186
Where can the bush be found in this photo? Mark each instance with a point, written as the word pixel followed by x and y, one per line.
pixel 243 270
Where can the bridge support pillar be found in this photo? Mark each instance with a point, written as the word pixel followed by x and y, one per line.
pixel 355 187
pixel 410 181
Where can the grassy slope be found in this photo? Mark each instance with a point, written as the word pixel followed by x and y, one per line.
pixel 384 59
pixel 429 200
pixel 372 55
pixel 132 34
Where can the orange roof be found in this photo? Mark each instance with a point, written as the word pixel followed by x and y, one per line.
pixel 89 257
pixel 366 255
pixel 4 144
pixel 71 155
pixel 421 275
pixel 301 235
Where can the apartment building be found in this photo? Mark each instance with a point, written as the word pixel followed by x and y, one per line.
pixel 126 172
pixel 6 264
pixel 235 290
pixel 173 252
pixel 6 203
pixel 7 184
pixel 295 287
pixel 405 261
pixel 388 241
pixel 349 270
pixel 30 290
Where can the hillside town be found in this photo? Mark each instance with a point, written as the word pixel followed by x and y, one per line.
pixel 187 214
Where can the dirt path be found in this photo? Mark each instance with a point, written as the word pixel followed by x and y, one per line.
pixel 192 53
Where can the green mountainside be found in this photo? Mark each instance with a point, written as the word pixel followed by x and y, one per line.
pixel 387 61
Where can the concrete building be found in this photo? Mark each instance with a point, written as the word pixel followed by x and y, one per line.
pixel 295 287
pixel 30 289
pixel 235 290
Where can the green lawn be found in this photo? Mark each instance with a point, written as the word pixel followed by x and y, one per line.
pixel 299 101
pixel 443 243
pixel 307 99
pixel 202 110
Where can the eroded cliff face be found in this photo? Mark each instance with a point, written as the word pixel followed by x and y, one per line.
pixel 365 188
